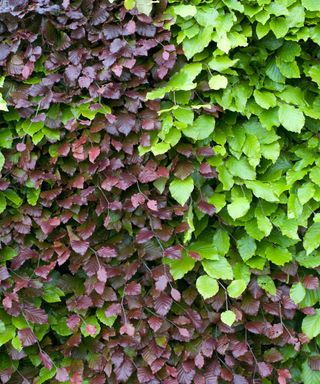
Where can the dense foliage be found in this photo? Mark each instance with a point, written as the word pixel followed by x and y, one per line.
pixel 160 191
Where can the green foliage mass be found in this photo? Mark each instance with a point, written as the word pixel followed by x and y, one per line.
pixel 258 61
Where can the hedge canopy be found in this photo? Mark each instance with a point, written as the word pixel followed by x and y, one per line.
pixel 159 191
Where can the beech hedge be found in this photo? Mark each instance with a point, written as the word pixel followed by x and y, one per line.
pixel 159 191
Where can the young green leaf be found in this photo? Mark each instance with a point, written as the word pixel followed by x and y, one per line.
pixel 311 325
pixel 297 293
pixel 311 240
pixel 266 283
pixel 228 317
pixel 236 288
pixel 181 189
pixel 291 118
pixel 207 286
pixel 278 255
pixel 218 82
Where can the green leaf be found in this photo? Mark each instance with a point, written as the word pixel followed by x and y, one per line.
pixel 184 115
pixel 218 82
pixel 311 5
pixel 52 294
pixel 181 189
pixel 129 4
pixel 308 261
pixel 265 99
pixel 311 325
pixel 297 292
pixel 3 104
pixel 185 10
pixel 2 161
pixel 178 268
pixel 144 6
pixel 205 250
pixel 240 168
pixel 221 241
pixel 207 286
pixel 291 118
pixel 198 43
pixel 218 269
pixel 5 138
pixel 236 288
pixel 228 317
pixel 311 239
pixel 266 283
pixel 16 343
pixel 246 247
pixel 277 255
pixel 308 375
pixel 2 327
pixel 60 326
pixel 7 335
pixel 3 202
pixel 109 321
pixel 13 197
pixel 202 128
pixel 262 190
pixel 92 320
pixel 45 375
pixel 279 26
pixel 33 196
pixel 160 148
pixel 239 207
pixel 7 253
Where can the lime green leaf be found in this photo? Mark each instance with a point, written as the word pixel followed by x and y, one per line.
pixel 246 247
pixel 109 321
pixel 277 255
pixel 184 115
pixel 311 260
pixel 90 321
pixel 297 292
pixel 2 161
pixel 202 128
pixel 3 202
pixel 228 317
pixel 7 253
pixel 45 375
pixel 218 269
pixel 291 118
pixel 7 335
pixel 311 325
pixel 266 283
pixel 144 6
pixel 184 10
pixel 160 148
pixel 311 5
pixel 13 197
pixel 3 103
pixel 218 82
pixel 221 241
pixel 178 268
pixel 262 190
pixel 16 343
pixel 207 286
pixel 33 196
pixel 308 375
pixel 205 250
pixel 311 239
pixel 236 288
pixel 265 99
pixel 181 189
pixel 129 4
pixel 239 207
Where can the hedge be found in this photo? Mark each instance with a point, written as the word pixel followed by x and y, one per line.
pixel 160 191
